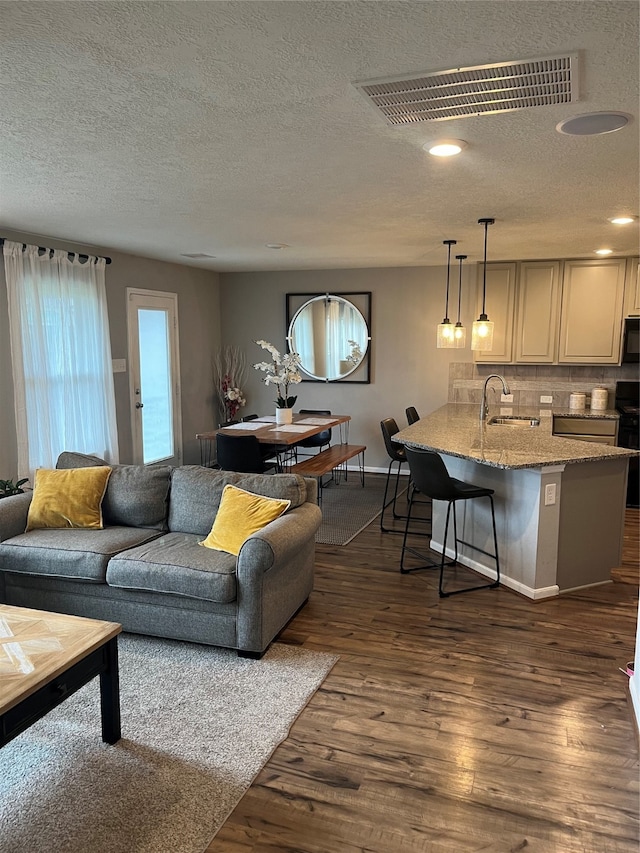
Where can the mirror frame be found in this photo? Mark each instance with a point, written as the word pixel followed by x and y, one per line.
pixel 361 300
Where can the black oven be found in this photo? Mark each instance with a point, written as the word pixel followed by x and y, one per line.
pixel 628 406
pixel 631 340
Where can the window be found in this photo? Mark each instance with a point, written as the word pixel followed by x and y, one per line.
pixel 61 356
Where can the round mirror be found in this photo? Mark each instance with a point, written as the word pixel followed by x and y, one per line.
pixel 330 335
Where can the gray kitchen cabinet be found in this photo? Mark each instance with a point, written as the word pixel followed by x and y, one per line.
pixel 632 289
pixel 558 312
pixel 591 311
pixel 500 304
pixel 599 430
pixel 538 302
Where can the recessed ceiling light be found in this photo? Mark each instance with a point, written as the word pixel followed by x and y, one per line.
pixel 276 245
pixel 196 255
pixel 623 220
pixel 604 251
pixel 593 124
pixel 445 147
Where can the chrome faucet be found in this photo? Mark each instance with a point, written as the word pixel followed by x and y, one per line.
pixel 484 407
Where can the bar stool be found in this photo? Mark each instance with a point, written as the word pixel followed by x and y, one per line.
pixel 412 415
pixel 397 455
pixel 431 478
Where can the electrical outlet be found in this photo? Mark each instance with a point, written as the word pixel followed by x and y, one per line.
pixel 506 398
pixel 550 494
pixel 506 410
pixel 546 398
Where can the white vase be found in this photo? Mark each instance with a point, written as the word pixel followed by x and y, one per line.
pixel 284 416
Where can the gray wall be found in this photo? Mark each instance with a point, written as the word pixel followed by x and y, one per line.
pixel 199 320
pixel 407 368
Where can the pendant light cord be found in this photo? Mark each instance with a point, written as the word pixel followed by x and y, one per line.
pixel 460 258
pixel 486 223
pixel 448 244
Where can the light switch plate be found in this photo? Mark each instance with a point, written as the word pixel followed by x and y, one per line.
pixel 506 398
pixel 119 365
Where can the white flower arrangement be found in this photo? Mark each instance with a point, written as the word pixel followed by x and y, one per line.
pixel 281 371
pixel 355 357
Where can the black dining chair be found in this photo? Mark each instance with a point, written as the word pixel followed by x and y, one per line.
pixel 242 453
pixel 412 415
pixel 431 478
pixel 320 439
pixel 268 451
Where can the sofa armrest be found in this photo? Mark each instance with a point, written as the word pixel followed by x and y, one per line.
pixel 275 575
pixel 13 515
pixel 279 541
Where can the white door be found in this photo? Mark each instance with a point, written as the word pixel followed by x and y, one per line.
pixel 154 377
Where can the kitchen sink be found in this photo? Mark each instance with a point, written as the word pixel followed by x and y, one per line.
pixel 514 420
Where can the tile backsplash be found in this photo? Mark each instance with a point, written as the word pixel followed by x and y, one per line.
pixel 527 382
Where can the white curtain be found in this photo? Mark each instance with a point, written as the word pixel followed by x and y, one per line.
pixel 61 356
pixel 334 339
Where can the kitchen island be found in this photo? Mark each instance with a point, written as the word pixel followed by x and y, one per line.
pixel 560 503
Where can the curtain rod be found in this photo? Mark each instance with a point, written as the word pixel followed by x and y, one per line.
pixel 69 254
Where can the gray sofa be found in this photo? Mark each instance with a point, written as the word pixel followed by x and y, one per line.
pixel 146 570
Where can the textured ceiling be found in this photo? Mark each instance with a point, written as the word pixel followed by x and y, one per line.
pixel 218 127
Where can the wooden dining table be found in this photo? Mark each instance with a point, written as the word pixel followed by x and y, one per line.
pixel 267 431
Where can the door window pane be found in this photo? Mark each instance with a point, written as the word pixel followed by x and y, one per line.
pixel 155 385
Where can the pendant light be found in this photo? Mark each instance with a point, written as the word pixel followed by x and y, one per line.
pixel 459 331
pixel 444 337
pixel 482 328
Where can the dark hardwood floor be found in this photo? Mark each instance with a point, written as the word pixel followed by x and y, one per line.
pixel 482 722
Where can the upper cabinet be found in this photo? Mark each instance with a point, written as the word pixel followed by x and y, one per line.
pixel 559 312
pixel 537 312
pixel 591 312
pixel 632 289
pixel 500 300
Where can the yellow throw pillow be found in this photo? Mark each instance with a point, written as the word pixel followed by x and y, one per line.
pixel 70 497
pixel 240 514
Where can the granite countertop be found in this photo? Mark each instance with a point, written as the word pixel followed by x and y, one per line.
pixel 607 414
pixel 455 429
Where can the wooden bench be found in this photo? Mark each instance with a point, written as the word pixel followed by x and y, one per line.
pixel 327 461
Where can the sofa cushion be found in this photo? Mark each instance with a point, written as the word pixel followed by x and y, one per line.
pixel 196 494
pixel 71 498
pixel 176 564
pixel 137 495
pixel 76 554
pixel 239 515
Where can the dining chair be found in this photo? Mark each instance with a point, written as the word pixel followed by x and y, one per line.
pixel 242 453
pixel 412 415
pixel 320 439
pixel 431 478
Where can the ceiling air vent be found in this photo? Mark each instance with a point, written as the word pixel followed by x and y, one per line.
pixel 478 90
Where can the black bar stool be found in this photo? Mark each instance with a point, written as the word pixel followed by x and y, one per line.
pixel 412 415
pixel 431 478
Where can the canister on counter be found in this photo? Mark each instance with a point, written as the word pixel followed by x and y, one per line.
pixel 577 400
pixel 599 399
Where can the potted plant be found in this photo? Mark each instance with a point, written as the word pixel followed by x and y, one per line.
pixel 8 487
pixel 281 371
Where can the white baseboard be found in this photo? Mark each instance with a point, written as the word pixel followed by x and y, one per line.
pixel 634 690
pixel 510 583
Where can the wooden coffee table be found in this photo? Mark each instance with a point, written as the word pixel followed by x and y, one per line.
pixel 45 657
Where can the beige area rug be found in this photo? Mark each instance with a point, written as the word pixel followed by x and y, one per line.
pixel 198 724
